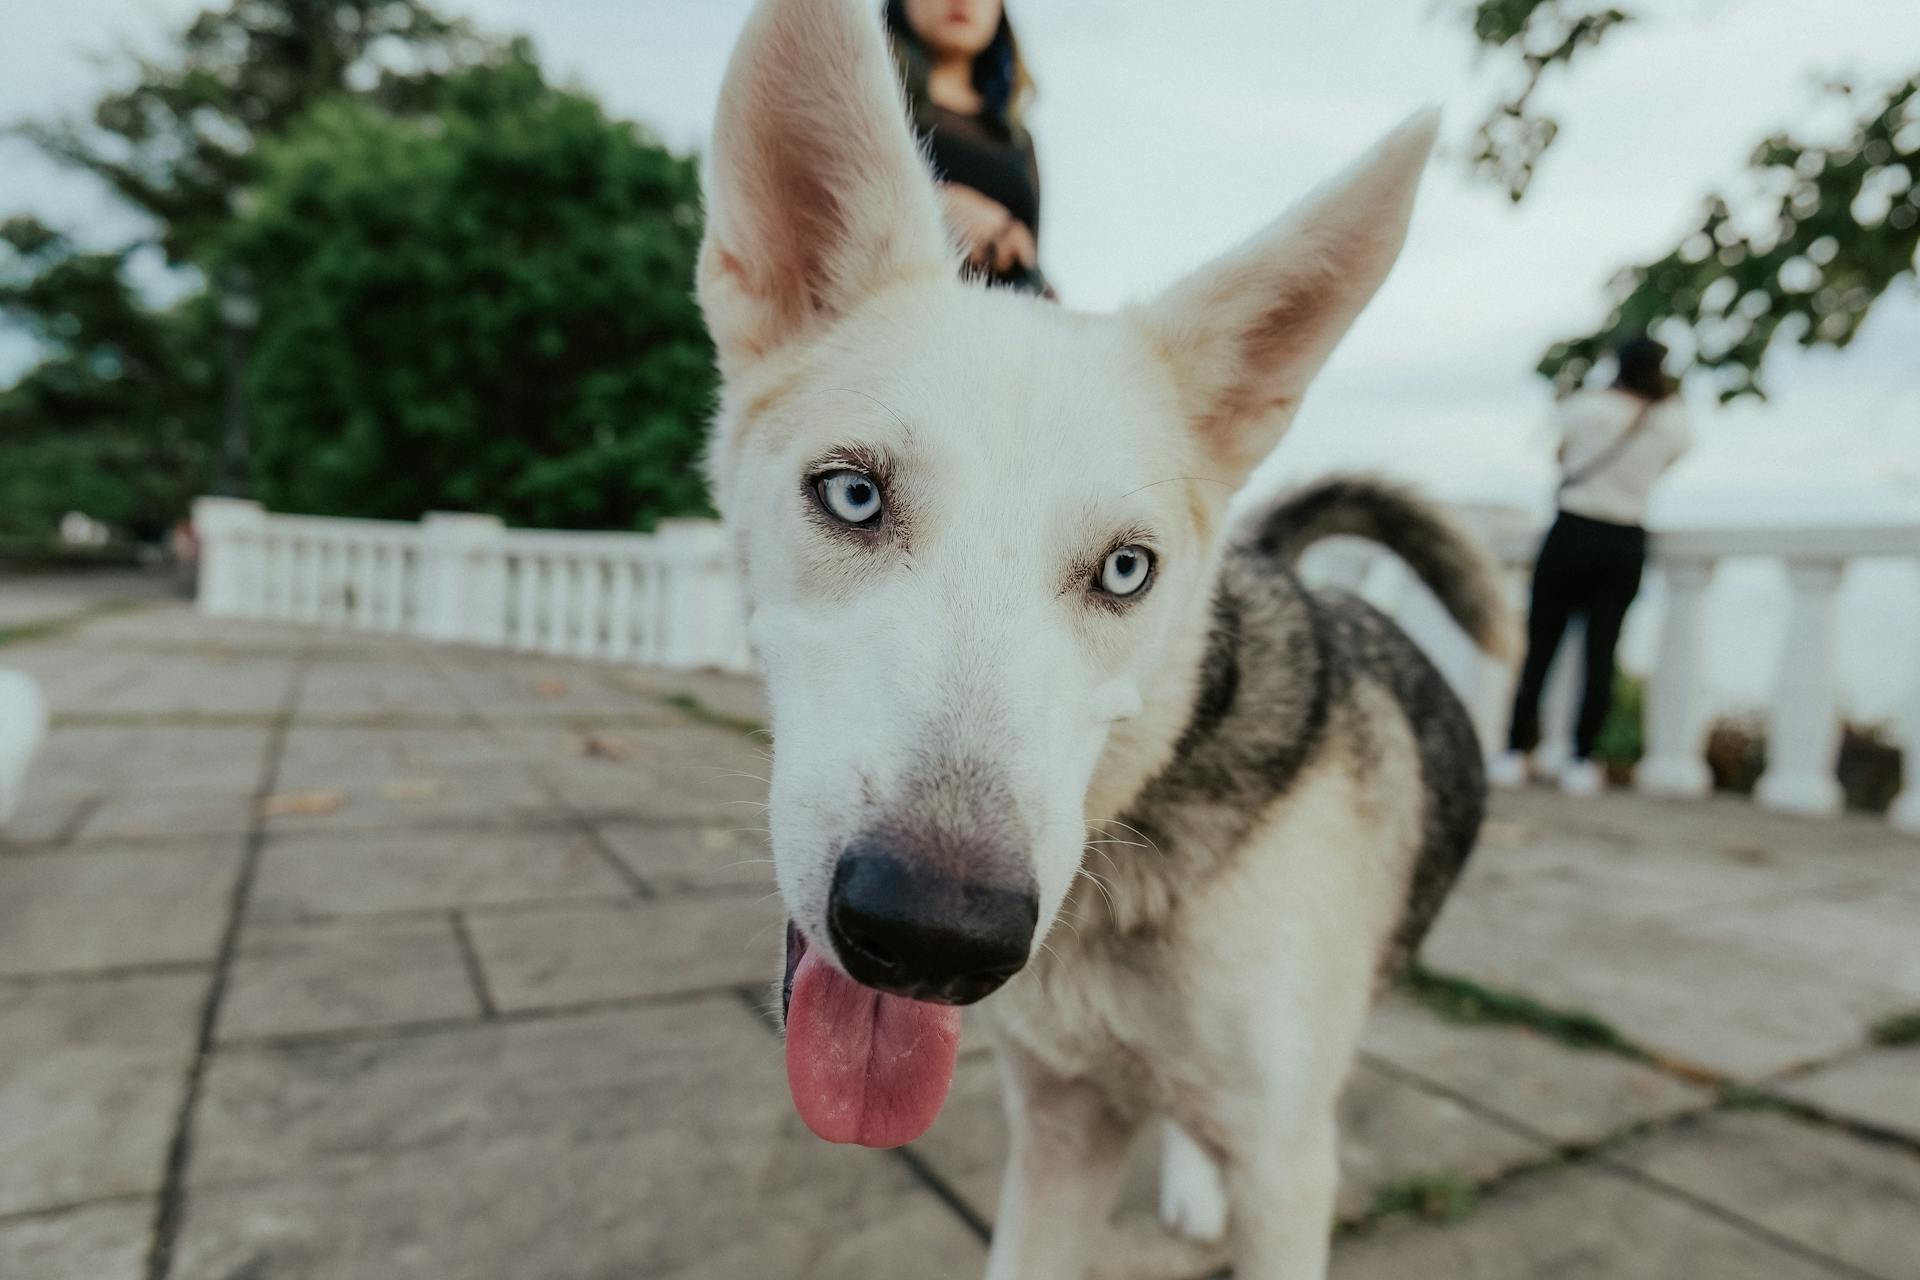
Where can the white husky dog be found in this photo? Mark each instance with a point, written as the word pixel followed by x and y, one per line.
pixel 987 575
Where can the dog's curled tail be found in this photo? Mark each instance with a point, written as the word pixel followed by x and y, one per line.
pixel 1453 564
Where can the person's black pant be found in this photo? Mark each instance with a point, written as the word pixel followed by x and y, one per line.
pixel 1586 567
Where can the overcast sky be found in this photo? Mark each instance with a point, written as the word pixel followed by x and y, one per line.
pixel 1168 131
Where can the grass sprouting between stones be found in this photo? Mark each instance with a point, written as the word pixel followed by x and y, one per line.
pixel 1437 1197
pixel 48 628
pixel 692 707
pixel 1898 1032
pixel 1462 1000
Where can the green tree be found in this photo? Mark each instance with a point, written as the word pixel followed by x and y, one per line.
pixel 487 309
pixel 1800 251
pixel 180 142
pixel 120 415
pixel 117 419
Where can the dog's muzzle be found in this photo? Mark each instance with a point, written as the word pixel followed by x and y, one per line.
pixel 900 926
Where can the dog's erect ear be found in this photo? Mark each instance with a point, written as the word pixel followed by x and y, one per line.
pixel 1247 333
pixel 816 195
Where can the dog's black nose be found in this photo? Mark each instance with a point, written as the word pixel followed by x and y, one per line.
pixel 913 930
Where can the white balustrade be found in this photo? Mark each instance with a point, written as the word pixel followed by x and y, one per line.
pixel 663 599
pixel 671 599
pixel 1804 722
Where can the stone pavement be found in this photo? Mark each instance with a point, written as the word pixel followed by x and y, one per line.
pixel 341 957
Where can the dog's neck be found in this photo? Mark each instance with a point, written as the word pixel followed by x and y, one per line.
pixel 1143 746
pixel 1226 728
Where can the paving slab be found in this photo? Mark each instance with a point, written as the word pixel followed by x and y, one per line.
pixel 398 687
pixel 693 855
pixel 156 758
pixel 504 689
pixel 309 874
pixel 1719 827
pixel 97 1242
pixel 689 773
pixel 737 697
pixel 1830 1190
pixel 346 974
pixel 90 1084
pixel 1391 1131
pixel 107 906
pixel 548 957
pixel 162 815
pixel 1860 934
pixel 351 752
pixel 489 796
pixel 68 674
pixel 50 809
pixel 1572 1224
pixel 1745 1005
pixel 654 1142
pixel 200 685
pixel 1880 1087
pixel 1574 1097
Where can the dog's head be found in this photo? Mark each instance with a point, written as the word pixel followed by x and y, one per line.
pixel 977 533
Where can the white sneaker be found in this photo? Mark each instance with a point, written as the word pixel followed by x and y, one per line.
pixel 1582 778
pixel 1508 770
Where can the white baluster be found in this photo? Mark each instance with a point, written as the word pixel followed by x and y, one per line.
pixel 456 593
pixel 586 607
pixel 333 582
pixel 366 585
pixel 682 619
pixel 558 591
pixel 620 609
pixel 650 618
pixel 1803 734
pixel 275 566
pixel 306 578
pixel 229 530
pixel 526 602
pixel 1675 763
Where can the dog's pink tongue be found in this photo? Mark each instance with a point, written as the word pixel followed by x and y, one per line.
pixel 866 1067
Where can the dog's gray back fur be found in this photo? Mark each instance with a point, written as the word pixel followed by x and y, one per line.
pixel 1277 691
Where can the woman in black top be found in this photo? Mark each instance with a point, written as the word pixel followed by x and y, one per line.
pixel 968 89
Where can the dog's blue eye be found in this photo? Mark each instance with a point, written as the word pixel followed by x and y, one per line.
pixel 849 496
pixel 1126 571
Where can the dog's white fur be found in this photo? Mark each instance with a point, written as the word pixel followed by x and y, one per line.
pixel 1024 439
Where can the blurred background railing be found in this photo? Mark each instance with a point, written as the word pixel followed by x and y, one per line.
pixel 670 599
pixel 1803 720
pixel 666 598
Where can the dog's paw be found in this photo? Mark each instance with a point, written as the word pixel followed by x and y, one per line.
pixel 1193 1202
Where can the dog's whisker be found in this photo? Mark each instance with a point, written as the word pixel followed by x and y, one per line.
pixel 1172 479
pixel 724 773
pixel 1137 831
pixel 758 934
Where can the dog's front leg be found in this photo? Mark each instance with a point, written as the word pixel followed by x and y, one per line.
pixel 1069 1156
pixel 1281 1189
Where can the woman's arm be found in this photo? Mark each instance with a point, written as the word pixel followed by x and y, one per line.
pixel 994 239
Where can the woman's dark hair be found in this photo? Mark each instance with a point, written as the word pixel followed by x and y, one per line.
pixel 1641 371
pixel 999 74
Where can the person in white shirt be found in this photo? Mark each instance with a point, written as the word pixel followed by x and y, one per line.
pixel 1614 444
